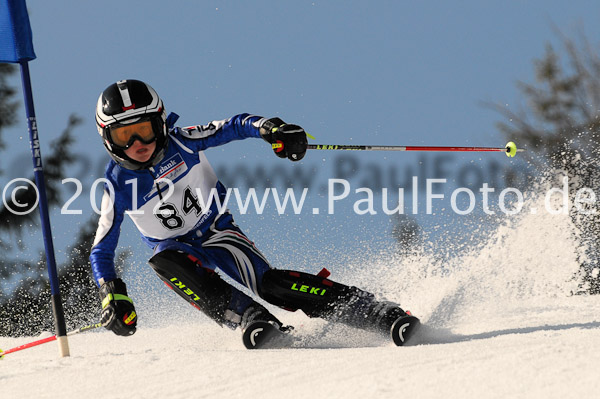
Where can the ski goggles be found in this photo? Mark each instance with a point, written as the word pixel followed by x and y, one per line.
pixel 123 136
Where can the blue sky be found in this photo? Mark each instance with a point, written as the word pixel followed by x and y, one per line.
pixel 361 72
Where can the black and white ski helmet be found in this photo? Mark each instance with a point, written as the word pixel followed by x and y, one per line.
pixel 126 102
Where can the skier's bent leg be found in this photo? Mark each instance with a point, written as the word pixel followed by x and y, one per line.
pixel 318 296
pixel 205 290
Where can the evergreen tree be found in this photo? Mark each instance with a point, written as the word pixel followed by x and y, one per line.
pixel 24 286
pixel 8 103
pixel 560 128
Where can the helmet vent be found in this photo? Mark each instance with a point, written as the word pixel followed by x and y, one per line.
pixel 125 95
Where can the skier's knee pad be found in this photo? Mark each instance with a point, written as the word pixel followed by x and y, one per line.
pixel 315 295
pixel 203 288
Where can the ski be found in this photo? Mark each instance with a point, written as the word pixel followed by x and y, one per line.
pixel 266 335
pixel 263 334
pixel 404 328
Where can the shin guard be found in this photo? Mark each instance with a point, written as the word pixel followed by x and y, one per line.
pixel 318 296
pixel 292 290
pixel 202 288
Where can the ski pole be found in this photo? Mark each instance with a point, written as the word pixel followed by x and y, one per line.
pixel 510 149
pixel 48 339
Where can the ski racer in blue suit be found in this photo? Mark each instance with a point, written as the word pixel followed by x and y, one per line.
pixel 161 178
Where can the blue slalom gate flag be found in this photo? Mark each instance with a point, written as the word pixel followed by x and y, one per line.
pixel 15 32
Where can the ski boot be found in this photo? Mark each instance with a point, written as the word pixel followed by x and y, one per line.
pixel 262 330
pixel 360 309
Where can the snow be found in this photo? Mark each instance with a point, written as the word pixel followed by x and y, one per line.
pixel 499 322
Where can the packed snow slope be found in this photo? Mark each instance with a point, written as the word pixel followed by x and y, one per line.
pixel 499 322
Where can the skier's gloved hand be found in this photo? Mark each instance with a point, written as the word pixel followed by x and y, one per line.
pixel 290 140
pixel 118 312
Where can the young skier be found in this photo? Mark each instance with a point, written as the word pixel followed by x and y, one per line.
pixel 156 176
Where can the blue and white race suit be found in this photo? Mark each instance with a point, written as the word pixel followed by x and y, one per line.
pixel 169 205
